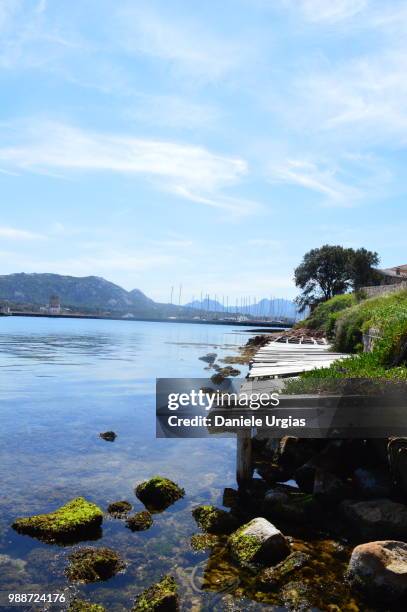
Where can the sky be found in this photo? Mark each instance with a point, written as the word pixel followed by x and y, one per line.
pixel 208 144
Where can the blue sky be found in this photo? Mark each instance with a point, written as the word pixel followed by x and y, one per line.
pixel 210 144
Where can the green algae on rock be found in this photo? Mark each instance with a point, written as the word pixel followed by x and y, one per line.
pixel 93 564
pixel 80 605
pixel 119 508
pixel 203 541
pixel 140 521
pixel 258 543
pixel 158 493
pixel 159 597
pixel 214 520
pixel 77 519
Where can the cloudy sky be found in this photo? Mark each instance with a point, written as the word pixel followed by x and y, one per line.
pixel 205 143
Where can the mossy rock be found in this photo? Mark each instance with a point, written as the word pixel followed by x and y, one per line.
pixel 119 508
pixel 258 543
pixel 214 520
pixel 80 605
pixel 158 493
pixel 203 541
pixel 93 564
pixel 160 597
pixel 271 578
pixel 140 521
pixel 76 520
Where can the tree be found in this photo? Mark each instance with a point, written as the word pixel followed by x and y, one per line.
pixel 332 270
pixel 362 270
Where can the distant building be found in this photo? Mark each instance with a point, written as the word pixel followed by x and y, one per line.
pixel 54 306
pixel 392 276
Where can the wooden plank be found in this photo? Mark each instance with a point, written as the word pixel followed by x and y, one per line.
pixel 244 465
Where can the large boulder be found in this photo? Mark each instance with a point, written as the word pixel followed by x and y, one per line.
pixel 76 520
pixel 158 493
pixel 159 597
pixel 258 542
pixel 377 518
pixel 379 570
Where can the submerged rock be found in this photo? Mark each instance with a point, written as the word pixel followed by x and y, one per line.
pixel 159 597
pixel 119 508
pixel 214 520
pixel 204 541
pixel 271 578
pixel 209 358
pixel 158 493
pixel 140 521
pixel 258 542
pixel 379 570
pixel 377 518
pixel 109 436
pixel 78 519
pixel 80 605
pixel 93 564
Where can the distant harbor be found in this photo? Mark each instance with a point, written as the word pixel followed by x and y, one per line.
pixel 199 321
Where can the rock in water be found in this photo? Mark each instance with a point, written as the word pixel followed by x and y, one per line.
pixel 159 597
pixel 214 520
pixel 109 436
pixel 209 358
pixel 76 520
pixel 80 605
pixel 258 542
pixel 379 570
pixel 93 564
pixel 271 578
pixel 158 493
pixel 140 521
pixel 119 508
pixel 377 518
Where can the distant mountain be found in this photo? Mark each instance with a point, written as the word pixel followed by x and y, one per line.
pixel 89 292
pixel 276 308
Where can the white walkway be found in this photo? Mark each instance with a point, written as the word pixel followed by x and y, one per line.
pixel 291 356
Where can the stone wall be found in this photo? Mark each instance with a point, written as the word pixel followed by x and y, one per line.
pixel 384 289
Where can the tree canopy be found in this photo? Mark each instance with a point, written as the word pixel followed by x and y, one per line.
pixel 332 270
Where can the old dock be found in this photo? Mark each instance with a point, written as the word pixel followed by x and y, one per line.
pixel 286 356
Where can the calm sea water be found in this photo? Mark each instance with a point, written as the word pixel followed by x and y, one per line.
pixel 64 381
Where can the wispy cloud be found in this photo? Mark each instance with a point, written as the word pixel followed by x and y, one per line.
pixel 12 233
pixel 315 178
pixel 185 44
pixel 192 172
pixel 329 11
pixel 173 112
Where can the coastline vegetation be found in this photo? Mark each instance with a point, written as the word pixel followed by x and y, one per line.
pixel 346 320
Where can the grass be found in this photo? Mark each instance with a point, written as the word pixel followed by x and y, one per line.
pixel 387 362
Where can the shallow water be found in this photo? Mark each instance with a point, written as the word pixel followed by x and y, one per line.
pixel 64 381
pixel 61 383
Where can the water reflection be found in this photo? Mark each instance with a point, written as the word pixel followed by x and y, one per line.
pixel 62 382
